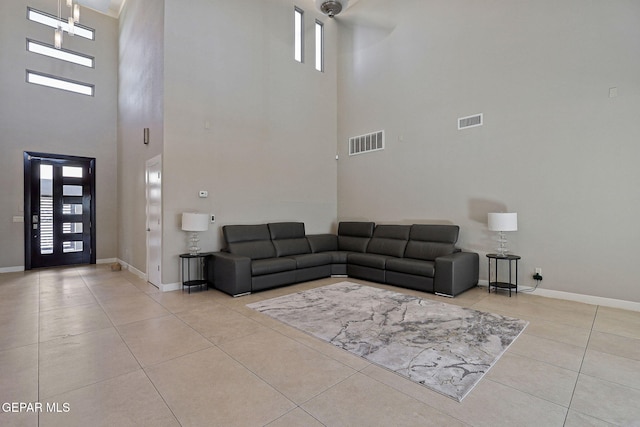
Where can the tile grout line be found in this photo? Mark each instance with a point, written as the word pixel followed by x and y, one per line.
pixel 586 347
pixel 142 368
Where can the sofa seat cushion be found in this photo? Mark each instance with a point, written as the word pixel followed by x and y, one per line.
pixel 368 260
pixel 412 266
pixel 272 265
pixel 311 260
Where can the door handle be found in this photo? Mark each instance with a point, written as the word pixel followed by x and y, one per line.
pixel 148 229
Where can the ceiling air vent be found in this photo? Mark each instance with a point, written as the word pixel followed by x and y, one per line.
pixel 470 121
pixel 366 143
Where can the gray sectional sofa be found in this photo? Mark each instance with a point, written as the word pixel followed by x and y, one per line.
pixel 418 256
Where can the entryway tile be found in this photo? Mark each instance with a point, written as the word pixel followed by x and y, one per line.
pixel 607 401
pixel 362 401
pixel 612 368
pixel 209 388
pixel 132 308
pixel 76 361
pixel 75 320
pixel 306 373
pixel 537 378
pixel 160 339
pixel 127 400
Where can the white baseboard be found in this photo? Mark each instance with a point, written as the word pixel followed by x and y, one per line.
pixel 15 269
pixel 171 287
pixel 132 269
pixel 106 261
pixel 569 296
pixel 163 287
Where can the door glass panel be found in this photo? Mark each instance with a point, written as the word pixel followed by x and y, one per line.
pixel 71 172
pixel 46 209
pixel 72 227
pixel 72 190
pixel 75 246
pixel 72 209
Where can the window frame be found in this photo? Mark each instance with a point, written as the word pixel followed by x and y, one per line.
pixel 319 33
pixel 298 35
pixel 90 87
pixel 59 53
pixel 46 18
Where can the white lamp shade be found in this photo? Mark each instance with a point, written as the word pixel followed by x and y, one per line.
pixel 192 221
pixel 503 221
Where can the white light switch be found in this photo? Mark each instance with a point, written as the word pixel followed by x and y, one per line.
pixel 203 194
pixel 613 92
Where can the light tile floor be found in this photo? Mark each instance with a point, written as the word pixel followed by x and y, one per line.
pixel 104 348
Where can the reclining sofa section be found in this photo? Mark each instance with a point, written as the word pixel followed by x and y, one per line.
pixel 419 256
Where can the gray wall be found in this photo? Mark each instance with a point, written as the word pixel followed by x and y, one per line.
pixel 555 147
pixel 140 105
pixel 35 118
pixel 269 152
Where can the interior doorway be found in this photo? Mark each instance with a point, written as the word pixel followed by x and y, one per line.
pixel 59 206
pixel 153 177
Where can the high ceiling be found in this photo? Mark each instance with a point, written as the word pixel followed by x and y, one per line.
pixel 108 7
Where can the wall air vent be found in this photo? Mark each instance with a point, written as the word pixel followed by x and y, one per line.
pixel 470 121
pixel 366 143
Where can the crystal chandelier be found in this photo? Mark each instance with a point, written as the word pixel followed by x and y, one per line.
pixel 74 17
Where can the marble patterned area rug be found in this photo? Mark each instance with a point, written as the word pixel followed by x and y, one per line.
pixel 441 346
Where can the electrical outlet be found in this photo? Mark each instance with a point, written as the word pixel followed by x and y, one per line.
pixel 539 271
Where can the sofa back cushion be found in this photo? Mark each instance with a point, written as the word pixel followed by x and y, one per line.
pixel 323 242
pixel 288 238
pixel 253 241
pixel 428 242
pixel 354 236
pixel 389 240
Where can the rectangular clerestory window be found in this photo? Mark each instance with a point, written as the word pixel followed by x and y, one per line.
pixel 59 83
pixel 298 34
pixel 319 46
pixel 62 54
pixel 53 22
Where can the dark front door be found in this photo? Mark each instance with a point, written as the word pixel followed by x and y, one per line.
pixel 59 210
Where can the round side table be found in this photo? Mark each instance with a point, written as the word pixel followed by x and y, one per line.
pixel 197 277
pixel 496 283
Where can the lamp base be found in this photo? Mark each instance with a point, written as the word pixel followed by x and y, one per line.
pixel 193 243
pixel 502 244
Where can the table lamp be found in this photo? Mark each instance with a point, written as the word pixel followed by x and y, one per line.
pixel 194 222
pixel 502 222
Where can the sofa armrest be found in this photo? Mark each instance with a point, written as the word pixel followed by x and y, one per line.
pixel 455 273
pixel 231 273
